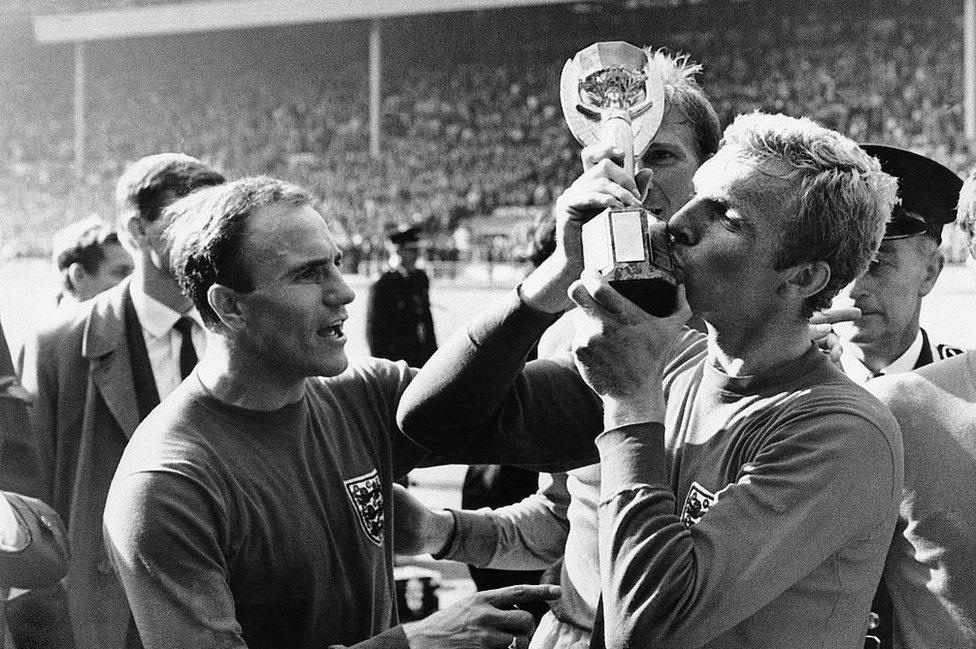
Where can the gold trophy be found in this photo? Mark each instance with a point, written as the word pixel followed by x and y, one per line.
pixel 611 93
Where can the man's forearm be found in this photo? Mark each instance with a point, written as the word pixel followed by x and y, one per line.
pixel 528 535
pixel 545 288
pixel 472 403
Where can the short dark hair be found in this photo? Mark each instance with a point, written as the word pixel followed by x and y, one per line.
pixel 207 230
pixel 152 182
pixel 84 243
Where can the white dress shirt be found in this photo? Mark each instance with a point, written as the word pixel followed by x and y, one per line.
pixel 162 342
pixel 852 360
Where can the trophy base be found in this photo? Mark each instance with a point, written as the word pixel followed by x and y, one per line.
pixel 655 295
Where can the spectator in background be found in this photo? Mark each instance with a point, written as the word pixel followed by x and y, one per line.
pixel 97 371
pixel 89 258
pixel 931 567
pixel 399 324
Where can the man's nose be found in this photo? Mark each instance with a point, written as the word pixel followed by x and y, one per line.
pixel 857 288
pixel 681 227
pixel 340 294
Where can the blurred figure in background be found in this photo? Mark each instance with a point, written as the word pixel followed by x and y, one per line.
pixel 399 325
pixel 89 258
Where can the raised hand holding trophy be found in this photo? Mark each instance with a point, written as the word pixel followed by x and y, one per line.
pixel 611 93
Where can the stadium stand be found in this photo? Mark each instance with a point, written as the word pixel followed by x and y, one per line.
pixel 470 118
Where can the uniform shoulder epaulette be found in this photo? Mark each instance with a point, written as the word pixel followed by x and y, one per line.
pixel 946 351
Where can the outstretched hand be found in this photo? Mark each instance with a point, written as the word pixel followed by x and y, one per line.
pixel 489 619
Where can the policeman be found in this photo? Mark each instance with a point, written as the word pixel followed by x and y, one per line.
pixel 887 338
pixel 399 325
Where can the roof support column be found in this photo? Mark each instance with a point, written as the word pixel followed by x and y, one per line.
pixel 375 78
pixel 969 68
pixel 79 51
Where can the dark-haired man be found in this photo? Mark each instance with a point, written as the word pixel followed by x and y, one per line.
pixel 253 507
pixel 89 258
pixel 96 372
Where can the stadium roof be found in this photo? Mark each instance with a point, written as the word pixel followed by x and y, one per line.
pixel 190 17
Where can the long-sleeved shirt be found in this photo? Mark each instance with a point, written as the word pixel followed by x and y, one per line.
pixel 757 514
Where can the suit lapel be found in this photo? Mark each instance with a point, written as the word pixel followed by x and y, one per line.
pixel 105 347
pixel 924 356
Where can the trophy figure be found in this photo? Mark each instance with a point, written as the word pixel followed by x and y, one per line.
pixel 611 93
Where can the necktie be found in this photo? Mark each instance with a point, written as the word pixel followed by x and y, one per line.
pixel 188 355
pixel 596 639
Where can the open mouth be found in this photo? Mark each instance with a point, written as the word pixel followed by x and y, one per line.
pixel 333 331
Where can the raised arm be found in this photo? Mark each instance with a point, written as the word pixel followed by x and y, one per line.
pixel 474 387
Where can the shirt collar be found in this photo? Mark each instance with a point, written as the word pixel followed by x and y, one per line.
pixel 906 362
pixel 154 316
pixel 852 361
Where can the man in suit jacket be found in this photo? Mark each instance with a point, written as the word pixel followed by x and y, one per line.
pixel 96 372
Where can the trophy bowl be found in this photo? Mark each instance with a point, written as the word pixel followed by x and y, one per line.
pixel 613 93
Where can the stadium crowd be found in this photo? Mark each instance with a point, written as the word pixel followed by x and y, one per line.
pixel 462 139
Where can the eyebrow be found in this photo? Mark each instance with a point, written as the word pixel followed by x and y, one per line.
pixel 312 263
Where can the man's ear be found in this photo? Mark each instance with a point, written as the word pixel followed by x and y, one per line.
pixel 933 268
pixel 133 228
pixel 809 278
pixel 228 305
pixel 78 277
